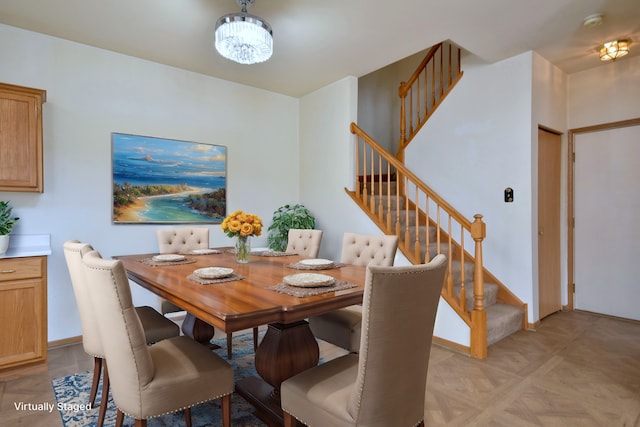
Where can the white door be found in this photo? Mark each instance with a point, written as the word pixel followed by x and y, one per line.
pixel 607 222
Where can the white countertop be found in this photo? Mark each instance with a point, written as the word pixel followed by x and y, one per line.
pixel 23 245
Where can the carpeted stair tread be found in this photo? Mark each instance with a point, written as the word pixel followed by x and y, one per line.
pixel 502 321
pixel 490 293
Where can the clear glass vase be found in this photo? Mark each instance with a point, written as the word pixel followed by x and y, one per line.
pixel 243 249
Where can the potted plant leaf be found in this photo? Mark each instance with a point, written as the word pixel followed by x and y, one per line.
pixel 6 225
pixel 285 218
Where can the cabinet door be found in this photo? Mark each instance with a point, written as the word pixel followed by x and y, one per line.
pixel 21 138
pixel 22 307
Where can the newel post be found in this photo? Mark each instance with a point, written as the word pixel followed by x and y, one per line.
pixel 478 314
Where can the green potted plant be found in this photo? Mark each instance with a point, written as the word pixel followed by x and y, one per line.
pixel 285 218
pixel 6 225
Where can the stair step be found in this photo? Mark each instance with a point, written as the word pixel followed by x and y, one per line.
pixel 456 268
pixel 403 216
pixel 392 198
pixel 502 321
pixel 490 293
pixel 422 235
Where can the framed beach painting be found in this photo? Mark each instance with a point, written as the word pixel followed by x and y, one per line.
pixel 167 181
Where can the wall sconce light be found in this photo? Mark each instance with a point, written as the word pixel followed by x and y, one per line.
pixel 613 50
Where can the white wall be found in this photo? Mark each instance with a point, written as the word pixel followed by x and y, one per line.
pixel 604 94
pixel 91 93
pixel 475 145
pixel 379 103
pixel 549 111
pixel 327 162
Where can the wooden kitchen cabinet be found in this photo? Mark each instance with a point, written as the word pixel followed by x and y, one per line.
pixel 21 163
pixel 23 316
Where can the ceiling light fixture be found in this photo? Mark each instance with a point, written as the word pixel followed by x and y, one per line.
pixel 593 20
pixel 613 50
pixel 244 38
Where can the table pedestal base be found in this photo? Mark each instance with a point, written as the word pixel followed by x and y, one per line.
pixel 199 330
pixel 285 350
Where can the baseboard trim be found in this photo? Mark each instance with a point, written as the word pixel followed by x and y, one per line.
pixel 458 348
pixel 65 341
pixel 13 373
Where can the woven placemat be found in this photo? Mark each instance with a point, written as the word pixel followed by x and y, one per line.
pixel 153 263
pixel 273 253
pixel 299 266
pixel 295 291
pixel 202 281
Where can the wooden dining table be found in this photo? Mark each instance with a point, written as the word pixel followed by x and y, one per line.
pixel 245 301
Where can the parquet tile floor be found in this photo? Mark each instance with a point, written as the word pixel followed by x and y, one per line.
pixel 577 369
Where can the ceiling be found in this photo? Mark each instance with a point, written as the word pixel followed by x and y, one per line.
pixel 317 42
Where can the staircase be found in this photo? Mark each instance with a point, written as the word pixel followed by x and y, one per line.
pixel 399 203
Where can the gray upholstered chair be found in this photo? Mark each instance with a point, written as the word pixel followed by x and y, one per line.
pixel 342 327
pixel 183 240
pixel 385 384
pixel 155 326
pixel 148 381
pixel 304 242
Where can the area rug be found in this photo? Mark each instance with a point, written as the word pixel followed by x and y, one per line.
pixel 72 391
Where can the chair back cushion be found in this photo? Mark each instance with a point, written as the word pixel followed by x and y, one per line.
pixel 304 242
pixel 130 364
pixel 362 249
pixel 73 253
pixel 399 310
pixel 182 239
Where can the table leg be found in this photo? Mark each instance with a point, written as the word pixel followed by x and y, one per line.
pixel 285 350
pixel 199 330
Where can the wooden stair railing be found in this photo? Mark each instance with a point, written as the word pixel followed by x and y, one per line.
pixel 425 90
pixel 401 204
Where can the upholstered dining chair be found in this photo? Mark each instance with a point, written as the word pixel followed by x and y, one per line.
pixel 304 242
pixel 385 384
pixel 182 240
pixel 148 381
pixel 155 326
pixel 342 327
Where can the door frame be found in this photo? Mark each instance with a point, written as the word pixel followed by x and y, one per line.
pixel 571 197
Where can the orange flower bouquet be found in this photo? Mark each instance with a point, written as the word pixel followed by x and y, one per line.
pixel 242 225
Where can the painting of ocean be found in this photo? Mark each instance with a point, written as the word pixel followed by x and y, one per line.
pixel 158 180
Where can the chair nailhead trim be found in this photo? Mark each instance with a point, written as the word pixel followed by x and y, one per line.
pixel 179 409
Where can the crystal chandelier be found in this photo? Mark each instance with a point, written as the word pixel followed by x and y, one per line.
pixel 244 38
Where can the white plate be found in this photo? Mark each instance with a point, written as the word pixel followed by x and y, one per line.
pixel 308 280
pixel 169 257
pixel 213 272
pixel 317 262
pixel 204 251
